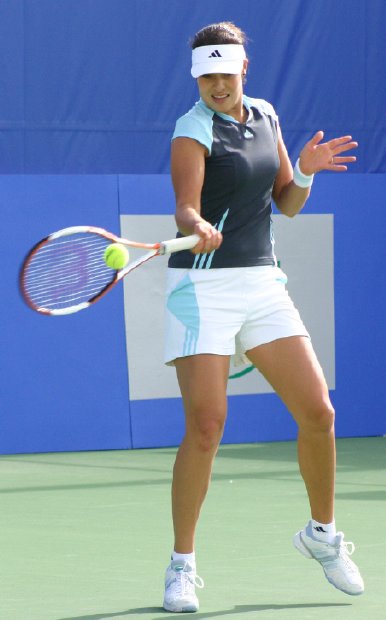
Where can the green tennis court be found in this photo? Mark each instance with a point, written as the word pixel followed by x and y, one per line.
pixel 87 536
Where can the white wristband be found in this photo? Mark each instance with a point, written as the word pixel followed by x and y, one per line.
pixel 300 179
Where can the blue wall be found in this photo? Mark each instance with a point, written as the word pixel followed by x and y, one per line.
pixel 63 383
pixel 95 86
pixel 64 380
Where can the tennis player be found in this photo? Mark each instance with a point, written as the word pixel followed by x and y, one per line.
pixel 228 298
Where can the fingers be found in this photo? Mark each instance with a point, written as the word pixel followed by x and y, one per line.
pixel 337 163
pixel 211 238
pixel 317 155
pixel 342 148
pixel 337 146
pixel 341 145
pixel 343 160
pixel 316 138
pixel 343 140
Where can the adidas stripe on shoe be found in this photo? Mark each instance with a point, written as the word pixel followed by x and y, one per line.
pixel 334 558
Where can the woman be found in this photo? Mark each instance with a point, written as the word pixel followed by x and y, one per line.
pixel 228 297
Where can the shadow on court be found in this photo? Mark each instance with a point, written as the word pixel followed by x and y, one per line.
pixel 353 454
pixel 245 609
pixel 130 483
pixel 118 614
pixel 238 609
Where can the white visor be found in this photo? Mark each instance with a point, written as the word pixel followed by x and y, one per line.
pixel 217 59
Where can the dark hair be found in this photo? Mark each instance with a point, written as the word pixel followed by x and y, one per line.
pixel 219 34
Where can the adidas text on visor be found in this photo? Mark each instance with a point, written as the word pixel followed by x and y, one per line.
pixel 217 59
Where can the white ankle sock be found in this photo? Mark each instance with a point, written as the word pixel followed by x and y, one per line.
pixel 185 557
pixel 325 532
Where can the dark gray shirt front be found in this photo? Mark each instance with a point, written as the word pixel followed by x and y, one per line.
pixel 240 171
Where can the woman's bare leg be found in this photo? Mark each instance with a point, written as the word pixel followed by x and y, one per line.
pixel 202 380
pixel 291 367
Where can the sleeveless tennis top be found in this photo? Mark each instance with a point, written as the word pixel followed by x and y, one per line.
pixel 240 171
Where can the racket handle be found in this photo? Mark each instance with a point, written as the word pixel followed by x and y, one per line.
pixel 182 243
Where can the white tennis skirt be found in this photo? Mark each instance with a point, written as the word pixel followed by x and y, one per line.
pixel 227 311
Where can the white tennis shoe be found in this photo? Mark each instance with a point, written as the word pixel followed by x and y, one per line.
pixel 180 582
pixel 339 569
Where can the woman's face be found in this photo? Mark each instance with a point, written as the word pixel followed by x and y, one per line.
pixel 222 92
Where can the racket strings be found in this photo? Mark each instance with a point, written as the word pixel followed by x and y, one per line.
pixel 67 271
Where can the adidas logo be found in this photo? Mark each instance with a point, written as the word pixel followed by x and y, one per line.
pixel 215 54
pixel 320 529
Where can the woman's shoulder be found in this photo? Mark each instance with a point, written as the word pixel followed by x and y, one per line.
pixel 263 106
pixel 196 124
pixel 199 113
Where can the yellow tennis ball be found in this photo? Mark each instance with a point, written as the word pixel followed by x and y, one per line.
pixel 116 256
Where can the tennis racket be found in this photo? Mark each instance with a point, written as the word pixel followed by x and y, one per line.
pixel 66 271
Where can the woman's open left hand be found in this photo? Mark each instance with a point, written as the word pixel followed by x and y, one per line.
pixel 317 155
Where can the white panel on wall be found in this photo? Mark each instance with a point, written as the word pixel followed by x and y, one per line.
pixel 304 246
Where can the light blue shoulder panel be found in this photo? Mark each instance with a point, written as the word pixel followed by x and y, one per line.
pixel 196 124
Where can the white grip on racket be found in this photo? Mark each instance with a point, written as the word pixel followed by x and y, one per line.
pixel 182 243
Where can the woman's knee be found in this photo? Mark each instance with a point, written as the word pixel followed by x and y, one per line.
pixel 206 431
pixel 320 417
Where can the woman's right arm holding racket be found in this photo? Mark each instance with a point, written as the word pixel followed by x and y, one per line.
pixel 188 170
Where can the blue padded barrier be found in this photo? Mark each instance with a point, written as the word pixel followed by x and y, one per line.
pixel 64 381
